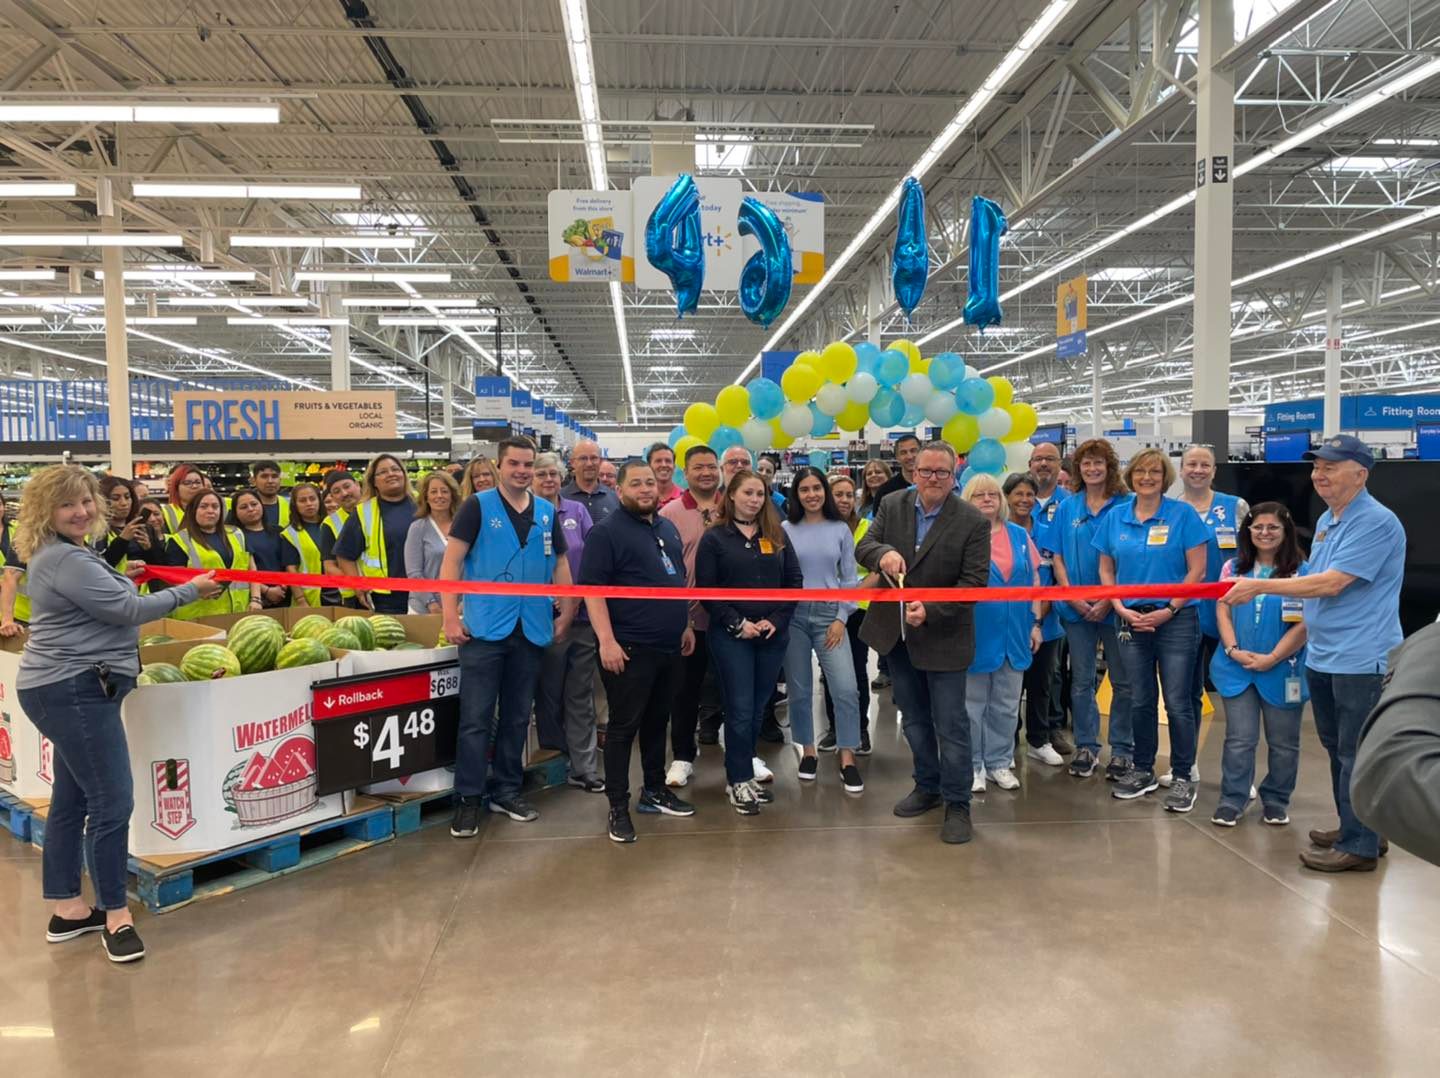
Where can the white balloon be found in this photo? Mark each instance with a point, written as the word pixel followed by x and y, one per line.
pixel 940 406
pixel 831 399
pixel 916 388
pixel 862 388
pixel 1017 456
pixel 971 372
pixel 757 434
pixel 995 423
pixel 796 420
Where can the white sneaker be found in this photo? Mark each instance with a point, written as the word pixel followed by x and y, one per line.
pixel 978 786
pixel 1004 778
pixel 762 773
pixel 1046 754
pixel 1169 776
pixel 679 773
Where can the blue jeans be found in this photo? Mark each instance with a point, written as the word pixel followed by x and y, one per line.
pixel 936 725
pixel 993 701
pixel 93 792
pixel 506 671
pixel 1083 638
pixel 1242 736
pixel 1340 703
pixel 746 671
pixel 1172 650
pixel 808 626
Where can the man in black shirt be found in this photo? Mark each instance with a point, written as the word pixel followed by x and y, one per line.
pixel 265 475
pixel 907 449
pixel 639 642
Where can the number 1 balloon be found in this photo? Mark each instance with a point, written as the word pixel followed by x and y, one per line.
pixel 766 278
pixel 987 225
pixel 910 263
pixel 674 244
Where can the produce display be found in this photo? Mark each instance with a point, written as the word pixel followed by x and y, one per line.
pixel 336 637
pixel 389 633
pixel 359 628
pixel 311 626
pixel 256 641
pixel 156 638
pixel 301 652
pixel 160 674
pixel 206 662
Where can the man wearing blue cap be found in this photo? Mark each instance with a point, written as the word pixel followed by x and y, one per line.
pixel 1351 596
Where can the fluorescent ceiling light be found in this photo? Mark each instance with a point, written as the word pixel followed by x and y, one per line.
pixel 416 320
pixel 253 320
pixel 672 333
pixel 388 243
pixel 182 275
pixel 227 301
pixel 1351 241
pixel 21 342
pixel 22 319
pixel 376 277
pixel 348 192
pixel 139 320
pixel 27 274
pixel 74 300
pixel 406 302
pixel 1406 141
pixel 36 189
pixel 90 239
pixel 110 112
pixel 1126 273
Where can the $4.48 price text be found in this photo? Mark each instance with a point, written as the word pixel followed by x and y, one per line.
pixel 388 747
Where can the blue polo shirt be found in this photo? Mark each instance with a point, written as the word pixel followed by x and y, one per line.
pixel 626 550
pixel 924 520
pixel 1352 632
pixel 1150 551
pixel 1070 534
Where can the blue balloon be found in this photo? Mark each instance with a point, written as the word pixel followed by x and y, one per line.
pixel 765 281
pixel 914 415
pixel 723 438
pixel 679 479
pixel 975 396
pixel 675 245
pixel 820 459
pixel 675 436
pixel 988 455
pixel 894 366
pixel 886 408
pixel 910 264
pixel 967 475
pixel 820 423
pixel 767 400
pixel 987 225
pixel 867 359
pixel 947 370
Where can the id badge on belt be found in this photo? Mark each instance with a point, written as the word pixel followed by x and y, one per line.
pixel 1292 686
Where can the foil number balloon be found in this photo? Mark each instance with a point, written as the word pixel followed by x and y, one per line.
pixel 766 279
pixel 910 263
pixel 987 225
pixel 674 243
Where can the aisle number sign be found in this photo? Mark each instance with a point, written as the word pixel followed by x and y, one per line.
pixel 266 415
pixel 1070 318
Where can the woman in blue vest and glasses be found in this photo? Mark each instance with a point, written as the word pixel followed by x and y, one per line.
pixel 1260 670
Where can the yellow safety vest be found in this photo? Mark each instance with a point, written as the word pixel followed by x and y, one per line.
pixel 310 561
pixel 860 571
pixel 235 599
pixel 373 561
pixel 284 507
pixel 175 516
pixel 334 522
pixel 22 581
pixel 124 562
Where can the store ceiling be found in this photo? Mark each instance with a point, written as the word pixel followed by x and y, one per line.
pixel 412 100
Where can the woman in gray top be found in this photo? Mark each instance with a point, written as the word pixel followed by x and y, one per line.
pixel 79 662
pixel 425 542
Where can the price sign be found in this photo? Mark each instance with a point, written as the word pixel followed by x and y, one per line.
pixel 373 727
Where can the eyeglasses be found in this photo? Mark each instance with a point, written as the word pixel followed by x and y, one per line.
pixel 193 481
pixel 1262 528
pixel 934 473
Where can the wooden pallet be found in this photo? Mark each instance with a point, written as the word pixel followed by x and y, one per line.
pixel 17 816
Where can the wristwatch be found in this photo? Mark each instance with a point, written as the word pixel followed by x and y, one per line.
pixel 1232 647
pixel 1174 609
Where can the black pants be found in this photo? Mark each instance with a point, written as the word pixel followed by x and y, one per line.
pixel 1039 684
pixel 685 705
pixel 861 656
pixel 639 697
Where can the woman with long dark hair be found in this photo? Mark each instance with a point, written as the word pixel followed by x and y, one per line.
pixel 269 552
pixel 204 542
pixel 305 533
pixel 372 542
pixel 873 477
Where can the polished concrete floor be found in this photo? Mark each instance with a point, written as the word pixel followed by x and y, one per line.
pixel 1075 935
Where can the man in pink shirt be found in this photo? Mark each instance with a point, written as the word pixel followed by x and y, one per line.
pixel 661 459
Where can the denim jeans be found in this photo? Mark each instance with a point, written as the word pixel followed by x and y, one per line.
pixel 93 792
pixel 808 626
pixel 565 700
pixel 936 725
pixel 495 670
pixel 859 662
pixel 640 698
pixel 746 671
pixel 1172 650
pixel 993 701
pixel 1084 637
pixel 1242 735
pixel 1340 703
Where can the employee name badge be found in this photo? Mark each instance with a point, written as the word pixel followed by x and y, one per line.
pixel 1292 690
pixel 665 560
pixel 1292 611
pixel 767 547
pixel 548 538
pixel 1158 535
pixel 1225 537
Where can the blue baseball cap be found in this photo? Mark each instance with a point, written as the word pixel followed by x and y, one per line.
pixel 1343 447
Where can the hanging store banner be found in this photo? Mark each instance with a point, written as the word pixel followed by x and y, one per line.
pixel 1366 411
pixel 803 215
pixel 1071 318
pixel 720 200
pixel 274 415
pixel 591 236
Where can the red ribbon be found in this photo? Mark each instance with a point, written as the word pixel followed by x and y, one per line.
pixel 180 574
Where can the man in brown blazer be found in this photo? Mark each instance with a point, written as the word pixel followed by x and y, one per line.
pixel 934 540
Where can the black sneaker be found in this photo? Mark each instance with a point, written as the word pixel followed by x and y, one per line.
pixel 590 785
pixel 61 929
pixel 621 829
pixel 1181 797
pixel 1225 816
pixel 1135 783
pixel 864 749
pixel 517 808
pixel 123 945
pixel 1084 764
pixel 916 803
pixel 850 776
pixel 742 796
pixel 663 802
pixel 1118 768
pixel 808 767
pixel 956 830
pixel 827 743
pixel 1276 816
pixel 771 732
pixel 466 823
pixel 881 682
pixel 1061 743
pixel 763 794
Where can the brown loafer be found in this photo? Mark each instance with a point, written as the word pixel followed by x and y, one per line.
pixel 1337 861
pixel 1327 839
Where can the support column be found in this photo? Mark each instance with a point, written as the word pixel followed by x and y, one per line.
pixel 447 393
pixel 117 345
pixel 1095 395
pixel 1332 351
pixel 339 344
pixel 1214 213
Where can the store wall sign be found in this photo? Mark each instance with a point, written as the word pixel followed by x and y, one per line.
pixel 1371 411
pixel 274 415
pixel 803 215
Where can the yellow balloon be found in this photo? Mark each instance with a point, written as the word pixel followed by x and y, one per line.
pixel 732 405
pixel 853 416
pixel 807 359
pixel 838 362
pixel 683 446
pixel 701 419
pixel 919 366
pixel 1023 422
pixel 780 440
pixel 909 351
pixel 961 431
pixel 1004 391
pixel 799 384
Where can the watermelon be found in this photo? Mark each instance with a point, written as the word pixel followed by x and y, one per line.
pixel 256 640
pixel 389 633
pixel 254 768
pixel 301 653
pixel 156 638
pixel 340 638
pixel 311 627
pixel 206 662
pixel 408 646
pixel 359 628
pixel 159 674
